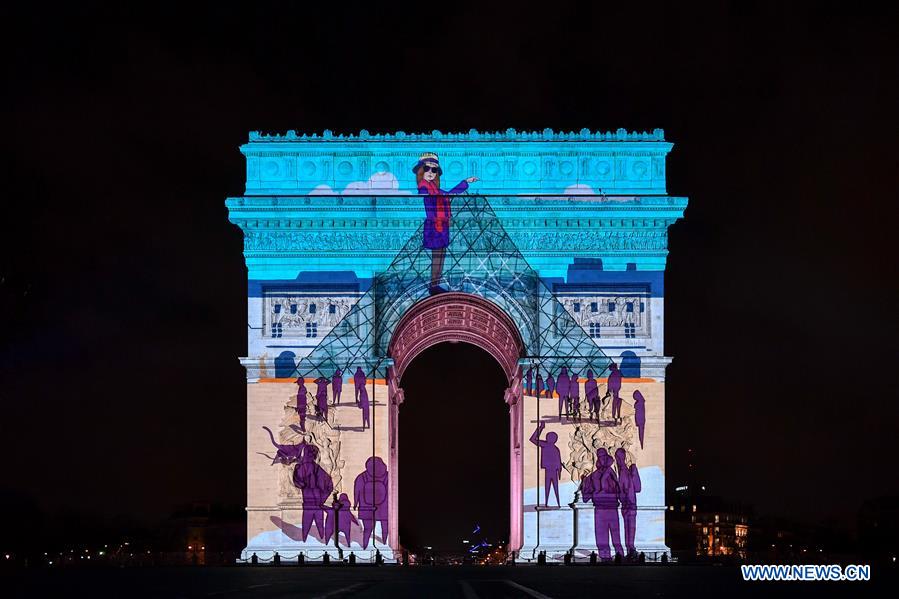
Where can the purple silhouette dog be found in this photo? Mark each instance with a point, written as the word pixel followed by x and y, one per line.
pixel 640 414
pixel 370 498
pixel 601 487
pixel 286 453
pixel 629 485
pixel 550 461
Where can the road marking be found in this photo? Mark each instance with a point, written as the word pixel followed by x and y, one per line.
pixel 524 589
pixel 467 590
pixel 342 591
pixel 258 586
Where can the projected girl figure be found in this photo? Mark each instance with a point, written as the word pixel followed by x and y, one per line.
pixel 437 213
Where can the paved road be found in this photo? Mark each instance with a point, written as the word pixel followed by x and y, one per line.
pixel 363 582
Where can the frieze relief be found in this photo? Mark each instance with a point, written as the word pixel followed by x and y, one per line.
pixel 296 241
pixel 308 316
pixel 610 315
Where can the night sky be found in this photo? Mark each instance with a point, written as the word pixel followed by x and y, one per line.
pixel 123 286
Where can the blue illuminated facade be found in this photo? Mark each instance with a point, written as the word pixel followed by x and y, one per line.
pixel 324 215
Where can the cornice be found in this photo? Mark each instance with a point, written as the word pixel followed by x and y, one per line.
pixel 472 135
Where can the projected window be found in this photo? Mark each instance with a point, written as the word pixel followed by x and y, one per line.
pixel 277 329
pixel 594 329
pixel 311 329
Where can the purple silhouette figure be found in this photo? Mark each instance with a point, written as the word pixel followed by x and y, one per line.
pixel 601 487
pixel 527 378
pixel 321 397
pixel 550 461
pixel 538 385
pixel 629 485
pixel 337 385
pixel 574 396
pixel 363 405
pixel 317 487
pixel 340 509
pixel 370 498
pixel 301 402
pixel 591 391
pixel 640 414
pixel 550 385
pixel 562 390
pixel 359 381
pixel 614 389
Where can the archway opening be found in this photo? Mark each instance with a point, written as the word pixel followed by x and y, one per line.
pixel 454 450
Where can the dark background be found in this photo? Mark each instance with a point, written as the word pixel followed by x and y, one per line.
pixel 454 456
pixel 123 285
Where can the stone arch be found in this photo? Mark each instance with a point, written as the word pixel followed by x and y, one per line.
pixel 456 317
pixel 470 319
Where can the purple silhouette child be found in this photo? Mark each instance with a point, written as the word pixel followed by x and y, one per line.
pixel 316 486
pixel 301 402
pixel 363 405
pixel 614 389
pixel 601 487
pixel 321 397
pixel 550 461
pixel 337 385
pixel 527 378
pixel 640 414
pixel 629 485
pixel 562 390
pixel 358 381
pixel 370 498
pixel 345 519
pixel 538 385
pixel 550 385
pixel 591 391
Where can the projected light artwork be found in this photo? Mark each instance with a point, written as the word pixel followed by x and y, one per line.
pixel 545 249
